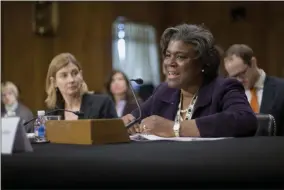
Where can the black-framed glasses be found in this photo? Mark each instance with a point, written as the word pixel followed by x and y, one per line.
pixel 242 74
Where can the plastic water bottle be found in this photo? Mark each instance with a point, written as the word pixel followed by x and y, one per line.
pixel 39 127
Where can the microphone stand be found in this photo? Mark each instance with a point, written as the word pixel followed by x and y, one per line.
pixel 38 140
pixel 78 113
pixel 138 81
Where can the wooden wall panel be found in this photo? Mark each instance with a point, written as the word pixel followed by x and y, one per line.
pixel 24 55
pixel 85 31
pixel 275 38
pixel 216 16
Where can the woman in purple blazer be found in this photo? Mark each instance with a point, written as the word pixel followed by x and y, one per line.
pixel 195 101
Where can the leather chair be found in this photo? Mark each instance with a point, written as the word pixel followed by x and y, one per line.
pixel 266 125
pixel 145 91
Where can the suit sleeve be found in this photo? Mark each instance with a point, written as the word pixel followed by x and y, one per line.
pixel 236 117
pixel 281 125
pixel 26 115
pixel 280 118
pixel 108 110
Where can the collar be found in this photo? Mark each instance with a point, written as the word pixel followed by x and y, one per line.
pixel 12 107
pixel 121 102
pixel 260 82
pixel 172 95
pixel 167 94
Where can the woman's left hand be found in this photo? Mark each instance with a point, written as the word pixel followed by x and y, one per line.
pixel 157 125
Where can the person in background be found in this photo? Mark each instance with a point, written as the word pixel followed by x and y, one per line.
pixel 117 87
pixel 195 101
pixel 12 107
pixel 66 89
pixel 265 93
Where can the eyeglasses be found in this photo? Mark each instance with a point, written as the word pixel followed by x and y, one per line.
pixel 241 75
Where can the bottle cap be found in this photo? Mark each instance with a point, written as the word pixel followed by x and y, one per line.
pixel 40 112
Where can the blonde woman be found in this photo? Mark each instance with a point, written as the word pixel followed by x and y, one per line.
pixel 11 105
pixel 66 89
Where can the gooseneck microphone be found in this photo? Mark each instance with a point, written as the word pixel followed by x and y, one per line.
pixel 138 81
pixel 78 113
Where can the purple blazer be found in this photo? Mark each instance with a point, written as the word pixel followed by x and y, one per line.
pixel 221 110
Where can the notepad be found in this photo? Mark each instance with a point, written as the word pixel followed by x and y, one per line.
pixel 147 137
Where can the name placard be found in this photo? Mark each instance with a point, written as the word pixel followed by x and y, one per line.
pixel 14 136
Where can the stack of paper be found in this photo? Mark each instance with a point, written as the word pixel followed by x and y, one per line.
pixel 146 137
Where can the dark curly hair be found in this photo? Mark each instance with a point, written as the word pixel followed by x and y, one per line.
pixel 203 42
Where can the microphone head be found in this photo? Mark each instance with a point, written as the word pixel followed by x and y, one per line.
pixel 78 113
pixel 138 80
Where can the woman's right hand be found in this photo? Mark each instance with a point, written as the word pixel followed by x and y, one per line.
pixel 134 128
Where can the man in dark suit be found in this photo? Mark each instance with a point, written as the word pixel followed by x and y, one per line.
pixel 265 93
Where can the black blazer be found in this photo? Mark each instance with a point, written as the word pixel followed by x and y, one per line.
pixel 273 101
pixel 94 106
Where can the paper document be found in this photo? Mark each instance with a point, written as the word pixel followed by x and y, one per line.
pixel 146 137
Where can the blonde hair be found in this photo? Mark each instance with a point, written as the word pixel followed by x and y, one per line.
pixel 56 64
pixel 10 86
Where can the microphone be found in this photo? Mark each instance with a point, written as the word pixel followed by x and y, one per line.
pixel 78 113
pixel 138 81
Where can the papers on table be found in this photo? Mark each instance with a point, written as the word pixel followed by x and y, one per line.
pixel 146 137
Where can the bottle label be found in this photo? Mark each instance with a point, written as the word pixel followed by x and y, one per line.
pixel 36 128
pixel 41 131
pixel 36 133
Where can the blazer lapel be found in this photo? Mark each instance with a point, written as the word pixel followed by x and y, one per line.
pixel 169 103
pixel 268 96
pixel 170 100
pixel 204 97
pixel 18 109
pixel 86 107
pixel 125 109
